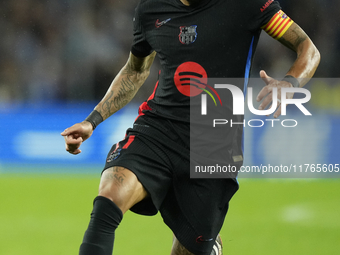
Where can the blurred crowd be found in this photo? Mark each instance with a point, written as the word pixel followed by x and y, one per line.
pixel 70 50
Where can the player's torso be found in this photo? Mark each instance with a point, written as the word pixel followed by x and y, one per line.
pixel 210 41
pixel 215 35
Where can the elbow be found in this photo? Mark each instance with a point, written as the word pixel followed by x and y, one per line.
pixel 317 56
pixel 311 55
pixel 314 55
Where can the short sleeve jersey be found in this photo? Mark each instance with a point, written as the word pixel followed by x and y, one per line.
pixel 216 39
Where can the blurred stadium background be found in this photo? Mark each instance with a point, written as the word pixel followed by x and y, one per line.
pixel 57 59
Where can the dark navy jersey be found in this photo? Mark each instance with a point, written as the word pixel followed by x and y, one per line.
pixel 215 39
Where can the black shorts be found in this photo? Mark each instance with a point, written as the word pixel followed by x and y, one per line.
pixel 157 151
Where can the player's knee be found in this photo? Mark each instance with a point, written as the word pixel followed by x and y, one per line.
pixel 115 199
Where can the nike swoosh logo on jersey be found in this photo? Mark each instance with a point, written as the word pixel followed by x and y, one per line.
pixel 159 24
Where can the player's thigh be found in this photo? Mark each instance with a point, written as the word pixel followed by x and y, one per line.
pixel 121 186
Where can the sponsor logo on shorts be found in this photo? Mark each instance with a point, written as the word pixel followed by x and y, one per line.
pixel 113 155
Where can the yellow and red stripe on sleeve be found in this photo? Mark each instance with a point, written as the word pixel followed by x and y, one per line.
pixel 278 25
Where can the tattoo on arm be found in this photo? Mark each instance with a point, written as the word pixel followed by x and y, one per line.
pixel 293 37
pixel 126 85
pixel 308 57
pixel 116 101
pixel 106 106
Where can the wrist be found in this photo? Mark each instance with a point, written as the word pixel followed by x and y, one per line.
pixel 292 80
pixel 95 118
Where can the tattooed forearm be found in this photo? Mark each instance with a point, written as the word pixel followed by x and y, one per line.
pixel 308 56
pixel 126 84
pixel 106 106
pixel 117 97
pixel 293 37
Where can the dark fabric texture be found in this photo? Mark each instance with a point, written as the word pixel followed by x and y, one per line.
pixel 159 156
pixel 99 236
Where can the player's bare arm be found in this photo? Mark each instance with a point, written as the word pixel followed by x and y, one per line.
pixel 126 84
pixel 123 88
pixel 303 69
pixel 308 56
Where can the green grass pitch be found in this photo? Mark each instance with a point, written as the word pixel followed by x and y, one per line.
pixel 48 214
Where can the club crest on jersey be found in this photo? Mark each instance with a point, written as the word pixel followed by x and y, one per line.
pixel 187 35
